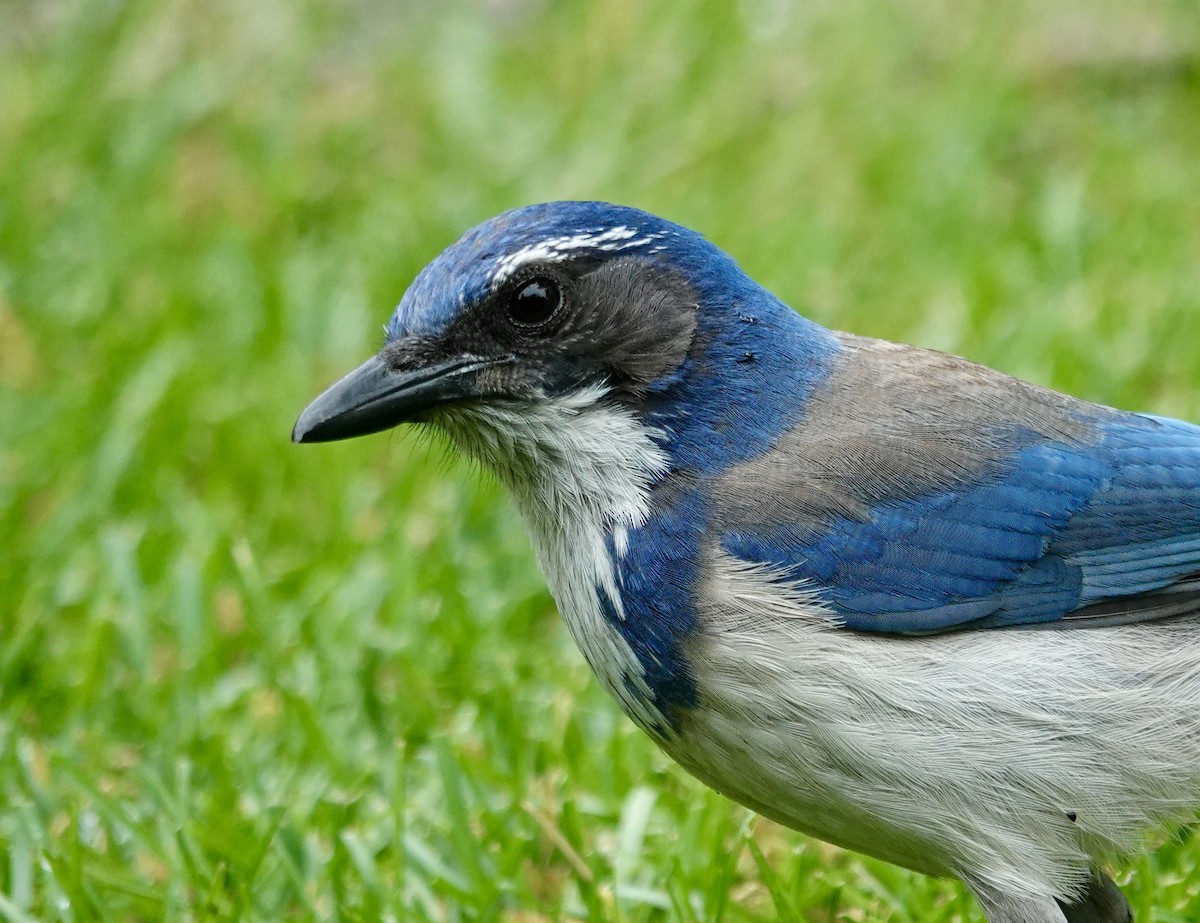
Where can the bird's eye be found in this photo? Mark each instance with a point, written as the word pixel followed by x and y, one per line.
pixel 534 301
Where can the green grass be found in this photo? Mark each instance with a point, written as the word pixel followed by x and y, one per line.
pixel 241 679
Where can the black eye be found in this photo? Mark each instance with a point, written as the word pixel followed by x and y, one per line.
pixel 534 301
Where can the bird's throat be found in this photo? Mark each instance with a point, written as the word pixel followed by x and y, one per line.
pixel 581 473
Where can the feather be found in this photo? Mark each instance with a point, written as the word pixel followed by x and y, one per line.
pixel 1044 510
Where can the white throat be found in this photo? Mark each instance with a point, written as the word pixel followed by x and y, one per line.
pixel 580 472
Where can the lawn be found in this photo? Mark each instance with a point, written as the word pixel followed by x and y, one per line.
pixel 241 679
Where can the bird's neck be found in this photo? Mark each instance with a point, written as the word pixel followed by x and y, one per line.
pixel 581 471
pixel 751 370
pixel 605 489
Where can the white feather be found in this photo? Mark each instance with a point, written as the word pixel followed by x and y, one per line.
pixel 579 471
pixel 961 754
pixel 558 249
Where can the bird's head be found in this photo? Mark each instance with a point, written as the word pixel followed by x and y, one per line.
pixel 545 313
pixel 613 370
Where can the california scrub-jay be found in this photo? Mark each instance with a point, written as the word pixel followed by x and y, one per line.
pixel 902 602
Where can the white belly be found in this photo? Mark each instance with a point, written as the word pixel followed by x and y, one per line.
pixel 965 753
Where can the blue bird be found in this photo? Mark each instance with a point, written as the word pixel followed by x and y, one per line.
pixel 902 602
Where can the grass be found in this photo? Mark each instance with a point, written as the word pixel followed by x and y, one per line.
pixel 244 680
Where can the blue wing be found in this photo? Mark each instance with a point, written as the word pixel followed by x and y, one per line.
pixel 1057 532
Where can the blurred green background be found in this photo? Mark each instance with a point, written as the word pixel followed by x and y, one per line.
pixel 245 680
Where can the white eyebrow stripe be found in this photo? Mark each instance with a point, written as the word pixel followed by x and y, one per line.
pixel 559 249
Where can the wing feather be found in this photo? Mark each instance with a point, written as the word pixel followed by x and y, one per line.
pixel 1058 530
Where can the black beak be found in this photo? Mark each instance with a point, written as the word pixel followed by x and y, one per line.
pixel 374 397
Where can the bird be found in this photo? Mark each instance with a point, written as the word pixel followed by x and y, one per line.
pixel 883 595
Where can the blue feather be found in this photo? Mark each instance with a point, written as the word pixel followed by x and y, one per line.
pixel 656 581
pixel 790 352
pixel 1060 527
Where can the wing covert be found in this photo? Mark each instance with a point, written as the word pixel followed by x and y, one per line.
pixel 1039 509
